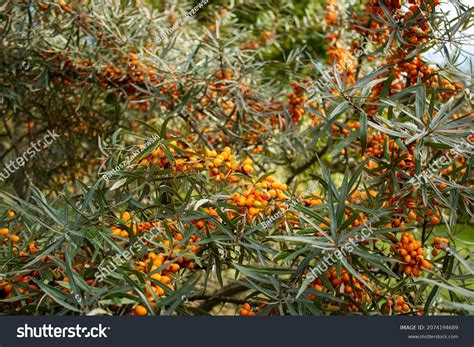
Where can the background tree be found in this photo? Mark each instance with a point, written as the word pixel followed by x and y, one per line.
pixel 299 158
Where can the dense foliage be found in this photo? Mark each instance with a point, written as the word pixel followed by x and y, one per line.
pixel 270 158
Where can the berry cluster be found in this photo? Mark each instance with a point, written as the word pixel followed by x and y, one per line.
pixel 160 265
pixel 256 197
pixel 246 310
pixel 400 304
pixel 344 283
pixel 412 254
pixel 297 102
pixel 438 244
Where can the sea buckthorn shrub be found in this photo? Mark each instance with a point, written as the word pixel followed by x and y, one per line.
pixel 287 158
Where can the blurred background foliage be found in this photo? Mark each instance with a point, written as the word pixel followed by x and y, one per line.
pixel 251 80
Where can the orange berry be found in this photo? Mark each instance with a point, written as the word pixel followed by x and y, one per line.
pixel 415 271
pixel 426 264
pixel 408 270
pixel 126 216
pixel 318 288
pixel 165 279
pixel 403 252
pixel 242 202
pixel 156 276
pixel 140 311
pixel 248 169
pixel 174 267
pixel 253 211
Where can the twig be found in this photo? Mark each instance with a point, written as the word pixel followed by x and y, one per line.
pixel 224 295
pixel 304 167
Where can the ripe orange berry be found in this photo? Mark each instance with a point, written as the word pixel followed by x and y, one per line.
pixel 426 264
pixel 174 267
pixel 253 211
pixel 126 216
pixel 246 310
pixel 415 271
pixel 140 311
pixel 434 220
pixel 248 169
pixel 156 276
pixel 165 279
pixel 242 202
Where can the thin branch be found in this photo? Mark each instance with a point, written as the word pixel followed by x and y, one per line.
pixel 224 295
